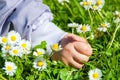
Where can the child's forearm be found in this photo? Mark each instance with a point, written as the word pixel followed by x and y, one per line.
pixel 44 29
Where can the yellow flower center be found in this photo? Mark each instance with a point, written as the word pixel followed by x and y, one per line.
pixel 103 25
pixel 7 48
pixel 4 39
pixel 95 7
pixel 40 63
pixel 95 75
pixel 24 45
pixel 83 28
pixel 39 53
pixel 99 2
pixel 55 46
pixel 85 3
pixel 13 38
pixel 15 51
pixel 89 3
pixel 9 68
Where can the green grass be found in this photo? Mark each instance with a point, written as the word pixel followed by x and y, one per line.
pixel 106 45
pixel 106 60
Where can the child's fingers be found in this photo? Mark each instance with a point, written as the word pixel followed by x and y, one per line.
pixel 83 48
pixel 78 38
pixel 80 58
pixel 72 37
pixel 75 64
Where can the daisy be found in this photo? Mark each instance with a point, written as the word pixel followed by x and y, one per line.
pixel 6 48
pixel 98 5
pixel 83 28
pixel 103 27
pixel 3 40
pixel 16 51
pixel 39 52
pixel 73 25
pixel 63 1
pixel 56 47
pixel 10 68
pixel 25 46
pixel 13 37
pixel 95 74
pixel 95 7
pixel 39 64
pixel 86 4
pixel 117 20
pixel 117 14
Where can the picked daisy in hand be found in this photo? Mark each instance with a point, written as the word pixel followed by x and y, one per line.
pixel 3 40
pixel 95 74
pixel 40 64
pixel 103 27
pixel 83 28
pixel 10 68
pixel 56 47
pixel 63 1
pixel 73 25
pixel 14 37
pixel 39 52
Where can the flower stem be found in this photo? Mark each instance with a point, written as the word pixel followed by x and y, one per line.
pixel 111 42
pixel 1 77
pixel 91 19
pixel 69 9
pixel 72 30
pixel 100 15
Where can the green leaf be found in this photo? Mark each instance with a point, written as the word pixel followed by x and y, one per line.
pixel 63 74
pixel 41 45
pixel 30 77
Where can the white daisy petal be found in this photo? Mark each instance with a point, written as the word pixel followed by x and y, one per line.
pixel 39 52
pixel 73 25
pixel 63 1
pixel 117 20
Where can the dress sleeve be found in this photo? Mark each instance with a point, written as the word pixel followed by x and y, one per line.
pixel 45 30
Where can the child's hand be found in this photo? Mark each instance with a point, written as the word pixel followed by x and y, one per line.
pixel 75 52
